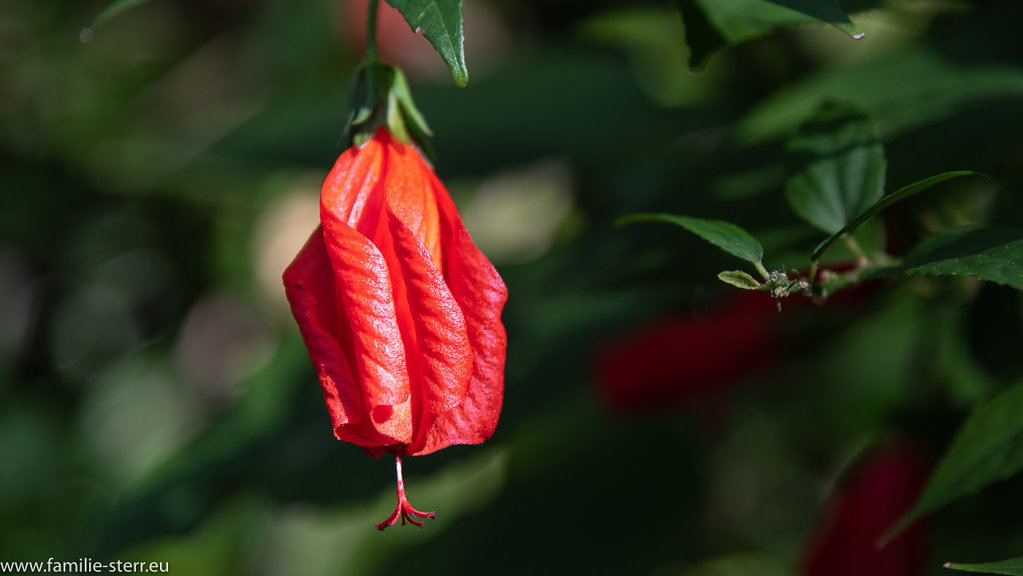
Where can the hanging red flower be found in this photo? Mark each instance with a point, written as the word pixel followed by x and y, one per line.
pixel 400 311
pixel 868 502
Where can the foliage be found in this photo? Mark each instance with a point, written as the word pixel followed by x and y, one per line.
pixel 836 184
pixel 441 21
pixel 989 448
pixel 1013 567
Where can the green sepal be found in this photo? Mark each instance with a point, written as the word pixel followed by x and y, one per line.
pixel 381 98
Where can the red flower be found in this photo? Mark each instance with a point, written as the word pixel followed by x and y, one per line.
pixel 400 311
pixel 679 359
pixel 870 500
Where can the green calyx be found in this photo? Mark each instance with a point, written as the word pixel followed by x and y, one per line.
pixel 381 99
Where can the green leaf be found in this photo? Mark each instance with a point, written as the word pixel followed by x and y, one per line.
pixel 711 24
pixel 1013 567
pixel 739 279
pixel 988 448
pixel 897 196
pixel 702 37
pixel 724 235
pixel 991 253
pixel 113 9
pixel 934 89
pixel 738 564
pixel 966 382
pixel 827 11
pixel 836 167
pixel 441 21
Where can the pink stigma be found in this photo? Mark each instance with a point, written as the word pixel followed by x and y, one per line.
pixel 404 510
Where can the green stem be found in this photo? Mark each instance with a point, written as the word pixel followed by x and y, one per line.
pixel 761 270
pixel 371 29
pixel 854 247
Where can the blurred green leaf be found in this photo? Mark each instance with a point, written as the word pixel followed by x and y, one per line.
pixel 837 167
pixel 216 546
pixel 113 9
pixel 738 564
pixel 991 253
pixel 739 279
pixel 897 196
pixel 441 22
pixel 1013 567
pixel 932 87
pixel 310 541
pixel 870 391
pixel 702 37
pixel 649 35
pixel 869 238
pixel 966 382
pixel 724 235
pixel 828 11
pixel 711 25
pixel 988 448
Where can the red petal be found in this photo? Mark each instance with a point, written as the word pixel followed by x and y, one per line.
pixel 481 294
pixel 309 286
pixel 439 348
pixel 353 187
pixel 364 291
pixel 410 196
pixel 433 327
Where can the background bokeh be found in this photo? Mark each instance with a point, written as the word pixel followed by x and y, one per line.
pixel 160 170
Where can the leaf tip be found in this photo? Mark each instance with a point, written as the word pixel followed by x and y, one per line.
pixel 896 529
pixel 631 218
pixel 460 75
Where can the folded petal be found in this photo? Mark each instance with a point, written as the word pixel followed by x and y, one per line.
pixel 410 196
pixel 353 184
pixel 365 297
pixel 309 286
pixel 439 355
pixel 480 294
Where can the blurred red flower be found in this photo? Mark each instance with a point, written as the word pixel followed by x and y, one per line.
pixel 680 358
pixel 877 492
pixel 400 312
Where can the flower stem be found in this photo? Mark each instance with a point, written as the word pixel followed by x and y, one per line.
pixel 371 29
pixel 854 247
pixel 403 510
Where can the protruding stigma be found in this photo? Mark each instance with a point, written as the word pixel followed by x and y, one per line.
pixel 403 510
